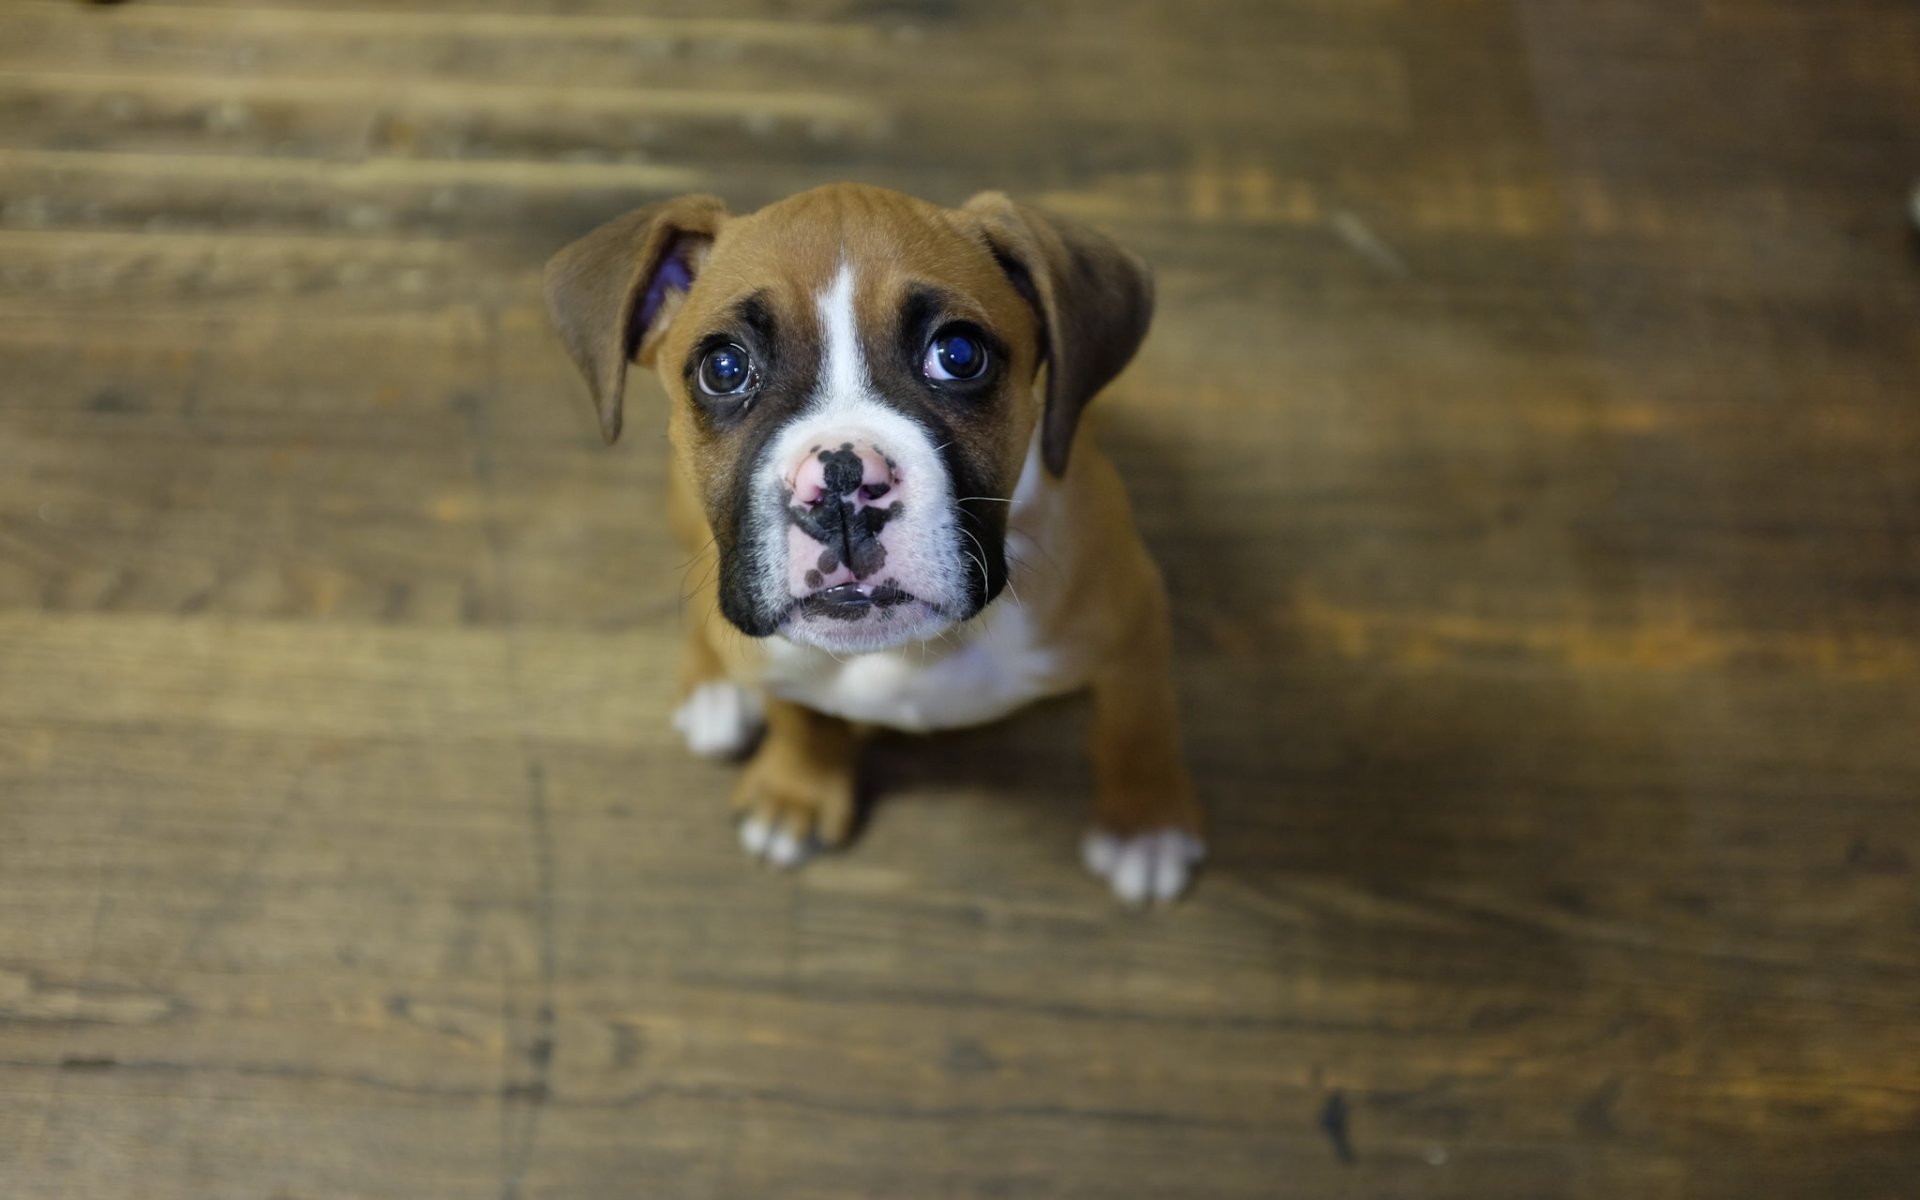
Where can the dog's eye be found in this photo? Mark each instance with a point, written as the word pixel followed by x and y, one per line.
pixel 953 355
pixel 726 371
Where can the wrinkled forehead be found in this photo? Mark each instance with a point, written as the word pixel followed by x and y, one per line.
pixel 893 247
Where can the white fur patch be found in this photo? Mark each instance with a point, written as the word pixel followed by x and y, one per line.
pixel 1150 868
pixel 921 541
pixel 720 719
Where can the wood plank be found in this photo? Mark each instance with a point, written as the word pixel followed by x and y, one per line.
pixel 1527 435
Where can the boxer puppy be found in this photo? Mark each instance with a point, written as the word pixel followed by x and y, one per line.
pixel 879 494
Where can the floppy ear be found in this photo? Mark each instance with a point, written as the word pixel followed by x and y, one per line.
pixel 612 293
pixel 1094 301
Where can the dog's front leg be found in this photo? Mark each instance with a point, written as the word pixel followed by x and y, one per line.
pixel 719 717
pixel 797 794
pixel 1146 839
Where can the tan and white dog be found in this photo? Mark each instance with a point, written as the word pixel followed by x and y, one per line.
pixel 863 464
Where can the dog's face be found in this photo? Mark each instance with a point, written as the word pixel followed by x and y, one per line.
pixel 851 372
pixel 852 397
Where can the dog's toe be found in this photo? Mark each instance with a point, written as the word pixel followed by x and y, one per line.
pixel 776 840
pixel 720 719
pixel 1147 868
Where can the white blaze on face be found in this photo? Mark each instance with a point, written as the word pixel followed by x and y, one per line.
pixel 843 369
pixel 921 543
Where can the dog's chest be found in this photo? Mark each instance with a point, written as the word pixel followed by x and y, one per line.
pixel 979 675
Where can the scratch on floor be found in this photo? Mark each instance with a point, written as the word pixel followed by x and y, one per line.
pixel 1333 1122
pixel 525 1097
pixel 1362 240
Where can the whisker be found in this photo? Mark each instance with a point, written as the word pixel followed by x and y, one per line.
pixel 695 556
pixel 981 558
pixel 1044 553
pixel 1015 565
pixel 687 593
pixel 983 568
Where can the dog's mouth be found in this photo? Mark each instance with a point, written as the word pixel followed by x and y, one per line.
pixel 852 601
pixel 859 617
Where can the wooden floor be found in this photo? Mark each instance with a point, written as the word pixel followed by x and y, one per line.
pixel 1531 434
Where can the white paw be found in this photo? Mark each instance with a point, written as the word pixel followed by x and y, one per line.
pixel 720 719
pixel 1147 868
pixel 775 845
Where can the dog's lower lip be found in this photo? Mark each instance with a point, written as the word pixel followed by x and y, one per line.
pixel 845 595
pixel 858 595
pixel 853 600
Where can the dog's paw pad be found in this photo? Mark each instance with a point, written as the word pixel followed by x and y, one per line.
pixel 1148 868
pixel 773 842
pixel 720 719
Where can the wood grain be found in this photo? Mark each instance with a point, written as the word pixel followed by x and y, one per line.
pixel 1528 435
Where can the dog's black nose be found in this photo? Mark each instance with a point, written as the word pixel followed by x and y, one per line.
pixel 841 470
pixel 855 470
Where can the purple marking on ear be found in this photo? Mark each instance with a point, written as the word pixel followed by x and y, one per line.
pixel 672 276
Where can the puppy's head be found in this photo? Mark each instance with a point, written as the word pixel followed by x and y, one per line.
pixel 851 374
